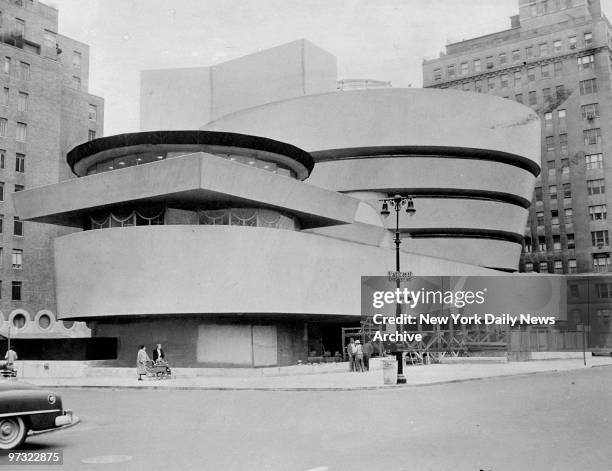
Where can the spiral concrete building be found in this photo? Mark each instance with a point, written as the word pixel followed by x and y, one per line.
pixel 247 249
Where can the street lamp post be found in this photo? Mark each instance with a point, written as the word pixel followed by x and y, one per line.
pixel 397 202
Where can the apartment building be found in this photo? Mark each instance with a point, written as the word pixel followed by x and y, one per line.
pixel 556 58
pixel 45 110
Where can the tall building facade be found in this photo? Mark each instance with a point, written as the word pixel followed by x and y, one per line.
pixel 555 58
pixel 45 110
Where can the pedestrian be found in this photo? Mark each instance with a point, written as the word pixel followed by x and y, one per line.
pixel 351 350
pixel 10 357
pixel 368 350
pixel 359 357
pixel 141 361
pixel 158 354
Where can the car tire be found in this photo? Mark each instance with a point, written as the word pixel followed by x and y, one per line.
pixel 13 432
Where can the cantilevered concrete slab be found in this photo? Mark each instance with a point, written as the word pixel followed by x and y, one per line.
pixel 195 181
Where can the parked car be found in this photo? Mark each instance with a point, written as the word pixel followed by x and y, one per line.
pixel 27 410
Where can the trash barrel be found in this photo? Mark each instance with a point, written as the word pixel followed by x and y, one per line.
pixel 389 370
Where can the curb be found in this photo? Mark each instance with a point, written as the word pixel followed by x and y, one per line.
pixel 322 389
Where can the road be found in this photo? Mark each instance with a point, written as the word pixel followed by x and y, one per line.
pixel 552 421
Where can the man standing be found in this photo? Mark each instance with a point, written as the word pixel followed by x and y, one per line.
pixel 351 350
pixel 158 354
pixel 10 358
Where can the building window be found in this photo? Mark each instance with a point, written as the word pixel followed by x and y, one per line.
pixel 550 143
pixel 1 222
pixel 560 92
pixel 2 158
pixel 7 65
pixel 22 132
pixel 540 218
pixel 546 95
pixel 519 97
pixel 531 74
pixel 19 27
pixel 558 266
pixel 489 62
pixel 24 71
pixel 571 243
pixel 76 59
pixel 91 135
pixel 478 86
pixel 593 161
pixel 572 42
pixel 533 99
pixel 604 290
pixel 588 86
pixel 22 101
pixel 19 188
pixel 588 39
pixel 562 119
pixel 17 226
pixel 554 217
pixel 563 143
pixel 586 62
pixel 543 49
pixel 543 267
pixel 437 72
pixel 596 187
pixel 1 191
pixel 491 83
pixel 464 68
pixel 571 266
pixel 565 168
pixel 527 245
pixel 545 68
pixel 504 81
pixel 592 136
pixel 477 66
pixel 556 242
pixel 558 69
pixel 20 163
pixel 16 287
pixel 76 82
pixel 548 123
pixel 17 258
pixel 557 45
pixel 538 194
pixel 93 113
pixel 516 55
pixel 599 238
pixel 567 190
pixel 569 216
pixel 590 111
pixel 3 126
pixel 5 96
pixel 502 58
pixel 450 71
pixel 597 212
pixel 552 191
pixel 528 267
pixel 601 263
pixel 551 168
pixel 529 52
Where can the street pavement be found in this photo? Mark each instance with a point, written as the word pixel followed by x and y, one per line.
pixel 551 421
pixel 415 376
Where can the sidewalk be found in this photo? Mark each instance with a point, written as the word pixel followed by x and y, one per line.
pixel 415 376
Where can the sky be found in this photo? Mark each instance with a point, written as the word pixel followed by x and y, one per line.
pixel 376 39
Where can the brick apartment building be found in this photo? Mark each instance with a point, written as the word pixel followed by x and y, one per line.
pixel 556 58
pixel 45 110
